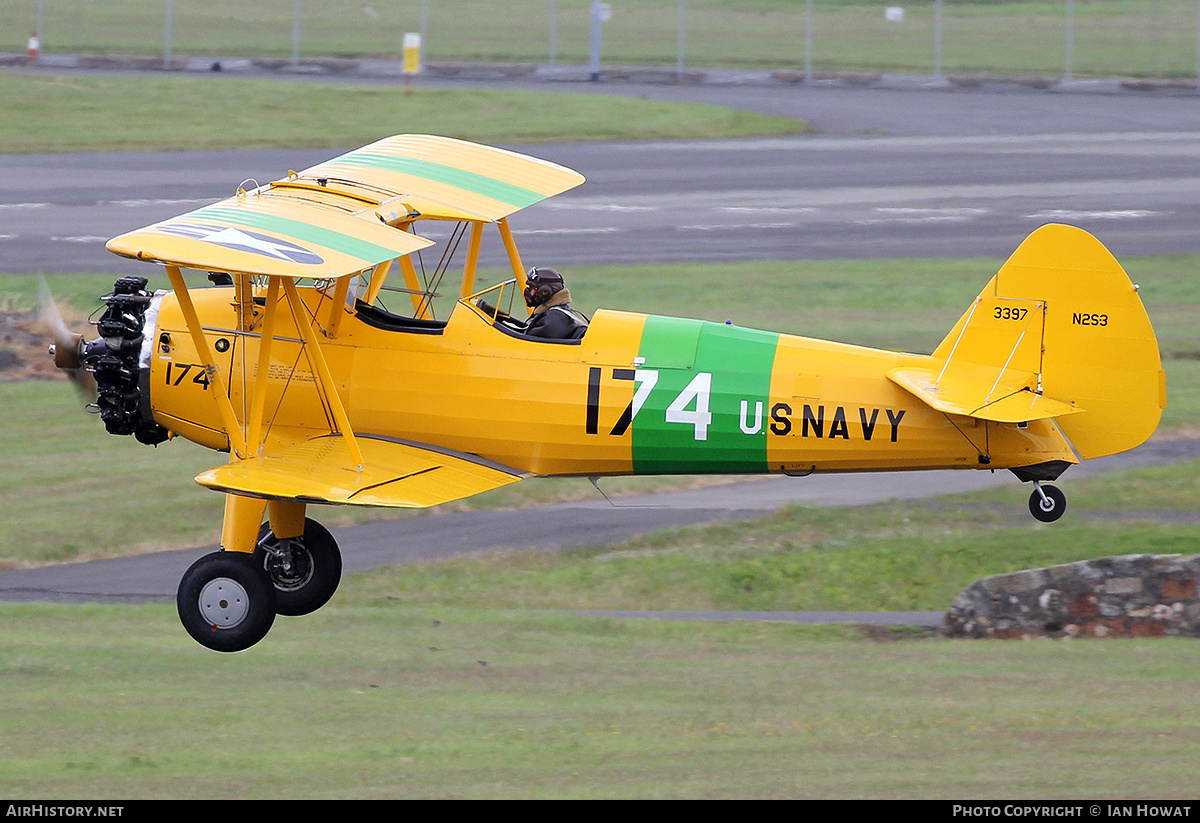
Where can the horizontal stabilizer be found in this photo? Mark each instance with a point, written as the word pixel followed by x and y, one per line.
pixel 1011 399
pixel 396 475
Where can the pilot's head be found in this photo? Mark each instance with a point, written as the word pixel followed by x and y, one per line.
pixel 542 284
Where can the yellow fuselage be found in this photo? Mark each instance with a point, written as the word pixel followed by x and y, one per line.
pixel 639 394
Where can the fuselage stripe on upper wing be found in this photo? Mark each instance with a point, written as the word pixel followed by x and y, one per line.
pixel 296 230
pixel 449 175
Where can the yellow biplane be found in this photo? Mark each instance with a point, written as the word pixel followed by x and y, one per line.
pixel 290 363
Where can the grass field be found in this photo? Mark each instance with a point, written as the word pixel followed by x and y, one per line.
pixel 59 113
pixel 376 698
pixel 1026 37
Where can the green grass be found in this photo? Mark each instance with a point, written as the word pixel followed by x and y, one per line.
pixel 61 113
pixel 457 680
pixel 370 699
pixel 1112 37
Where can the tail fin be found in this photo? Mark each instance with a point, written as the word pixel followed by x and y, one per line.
pixel 1058 332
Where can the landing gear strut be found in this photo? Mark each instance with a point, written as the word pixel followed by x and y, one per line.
pixel 228 600
pixel 1047 503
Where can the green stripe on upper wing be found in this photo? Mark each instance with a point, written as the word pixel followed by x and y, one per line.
pixel 514 195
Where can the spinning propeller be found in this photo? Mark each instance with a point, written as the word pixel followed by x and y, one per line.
pixel 68 348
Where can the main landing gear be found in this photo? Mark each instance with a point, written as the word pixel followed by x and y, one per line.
pixel 228 600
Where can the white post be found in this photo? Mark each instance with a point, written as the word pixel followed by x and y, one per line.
pixel 680 40
pixel 1070 48
pixel 808 43
pixel 170 14
pixel 411 64
pixel 424 25
pixel 594 56
pixel 1198 47
pixel 937 41
pixel 295 33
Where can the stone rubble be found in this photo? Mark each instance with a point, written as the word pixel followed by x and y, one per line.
pixel 1136 595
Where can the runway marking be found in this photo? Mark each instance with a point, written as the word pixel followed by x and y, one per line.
pixel 773 209
pixel 596 207
pixel 601 230
pixel 80 238
pixel 728 226
pixel 126 203
pixel 1067 214
pixel 1139 144
pixel 912 214
pixel 932 218
pixel 160 202
pixel 911 210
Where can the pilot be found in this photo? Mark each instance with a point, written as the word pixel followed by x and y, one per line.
pixel 552 317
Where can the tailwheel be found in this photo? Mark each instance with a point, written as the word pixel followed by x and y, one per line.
pixel 1047 503
pixel 305 571
pixel 226 602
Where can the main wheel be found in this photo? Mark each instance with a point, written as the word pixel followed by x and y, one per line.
pixel 226 601
pixel 1050 508
pixel 305 573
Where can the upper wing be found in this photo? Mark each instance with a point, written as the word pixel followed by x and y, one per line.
pixel 443 177
pixel 398 475
pixel 256 233
pixel 339 217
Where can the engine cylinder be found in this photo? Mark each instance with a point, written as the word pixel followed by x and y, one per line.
pixel 114 359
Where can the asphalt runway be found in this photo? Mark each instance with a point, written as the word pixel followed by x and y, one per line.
pixel 890 173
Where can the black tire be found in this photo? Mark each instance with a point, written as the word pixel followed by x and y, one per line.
pixel 226 601
pixel 1050 509
pixel 314 575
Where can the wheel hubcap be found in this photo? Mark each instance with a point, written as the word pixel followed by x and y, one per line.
pixel 224 603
